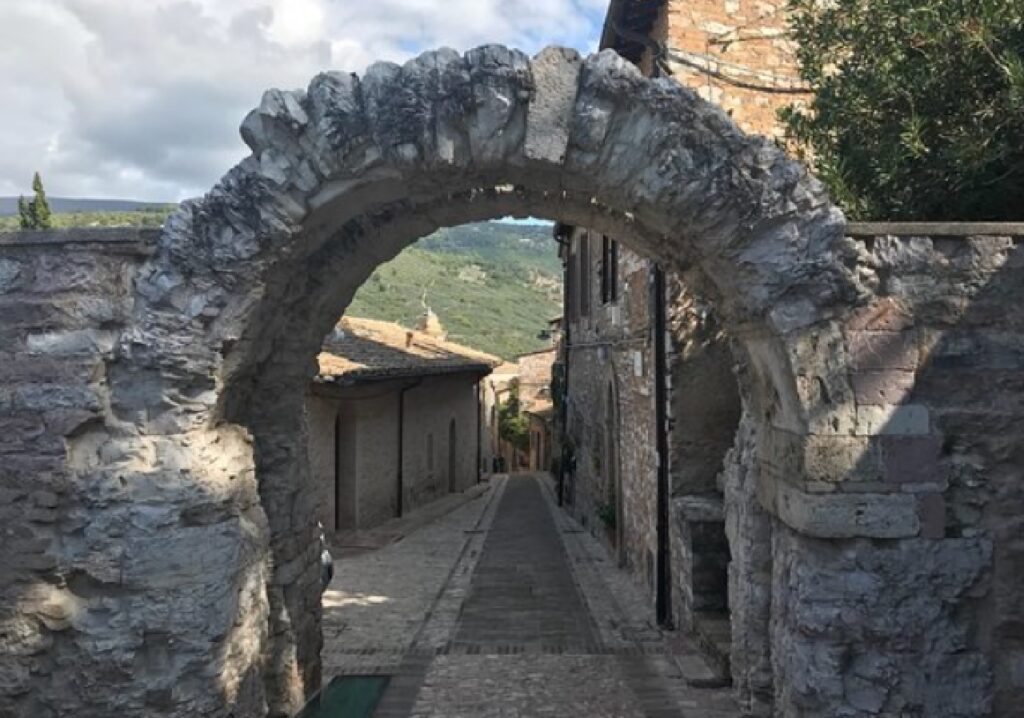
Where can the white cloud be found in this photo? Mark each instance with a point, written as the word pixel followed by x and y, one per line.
pixel 141 99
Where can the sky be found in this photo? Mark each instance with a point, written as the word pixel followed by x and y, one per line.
pixel 141 99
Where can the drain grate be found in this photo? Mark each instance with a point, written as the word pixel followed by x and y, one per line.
pixel 346 697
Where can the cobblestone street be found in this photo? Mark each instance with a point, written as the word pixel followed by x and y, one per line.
pixel 505 607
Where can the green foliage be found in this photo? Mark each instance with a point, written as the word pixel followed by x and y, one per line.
pixel 35 214
pixel 607 514
pixel 918 107
pixel 513 425
pixel 24 214
pixel 557 386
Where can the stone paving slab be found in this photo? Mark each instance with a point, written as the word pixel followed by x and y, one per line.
pixel 505 607
pixel 493 686
pixel 380 601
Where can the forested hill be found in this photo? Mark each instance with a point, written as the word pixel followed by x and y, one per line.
pixel 494 285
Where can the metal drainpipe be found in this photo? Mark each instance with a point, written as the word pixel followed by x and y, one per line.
pixel 663 600
pixel 401 442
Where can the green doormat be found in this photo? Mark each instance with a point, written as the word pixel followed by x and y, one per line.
pixel 346 697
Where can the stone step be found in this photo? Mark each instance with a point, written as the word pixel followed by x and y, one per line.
pixel 713 635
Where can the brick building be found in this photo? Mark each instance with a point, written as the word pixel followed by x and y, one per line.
pixel 652 404
pixel 534 384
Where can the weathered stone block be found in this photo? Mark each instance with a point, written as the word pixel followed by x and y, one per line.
pixel 904 419
pixel 72 342
pixel 885 314
pixel 883 350
pixel 888 386
pixel 840 515
pixel 932 511
pixel 912 459
pixel 9 273
pixel 556 73
pixel 839 459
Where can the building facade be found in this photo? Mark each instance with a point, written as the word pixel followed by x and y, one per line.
pixel 734 53
pixel 534 385
pixel 652 405
pixel 395 421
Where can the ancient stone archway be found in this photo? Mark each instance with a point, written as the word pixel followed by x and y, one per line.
pixel 204 425
pixel 342 177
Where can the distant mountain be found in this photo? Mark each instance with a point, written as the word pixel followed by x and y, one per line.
pixel 9 205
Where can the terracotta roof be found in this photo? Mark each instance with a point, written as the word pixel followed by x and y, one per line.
pixel 361 349
pixel 546 350
pixel 543 408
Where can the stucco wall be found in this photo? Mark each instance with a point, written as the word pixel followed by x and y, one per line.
pixel 320 416
pixel 430 409
pixel 375 435
pixel 369 424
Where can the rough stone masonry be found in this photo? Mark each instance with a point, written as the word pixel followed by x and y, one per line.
pixel 159 549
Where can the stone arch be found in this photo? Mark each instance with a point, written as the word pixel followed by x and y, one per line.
pixel 230 311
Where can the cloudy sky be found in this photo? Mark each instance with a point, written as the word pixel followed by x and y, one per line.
pixel 141 99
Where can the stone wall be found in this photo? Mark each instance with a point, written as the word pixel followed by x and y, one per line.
pixel 81 592
pixel 937 361
pixel 609 356
pixel 933 360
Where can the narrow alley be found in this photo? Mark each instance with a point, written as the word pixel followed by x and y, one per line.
pixel 505 607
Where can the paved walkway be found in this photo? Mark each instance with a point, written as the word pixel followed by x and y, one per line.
pixel 503 608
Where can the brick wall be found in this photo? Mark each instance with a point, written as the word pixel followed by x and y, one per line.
pixel 744 40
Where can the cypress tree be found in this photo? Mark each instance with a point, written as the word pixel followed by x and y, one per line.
pixel 24 214
pixel 39 207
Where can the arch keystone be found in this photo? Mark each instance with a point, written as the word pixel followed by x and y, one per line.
pixel 556 76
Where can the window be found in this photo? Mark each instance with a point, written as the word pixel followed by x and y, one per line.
pixel 584 274
pixel 609 270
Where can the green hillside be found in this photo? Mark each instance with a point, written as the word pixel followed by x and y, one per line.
pixel 494 285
